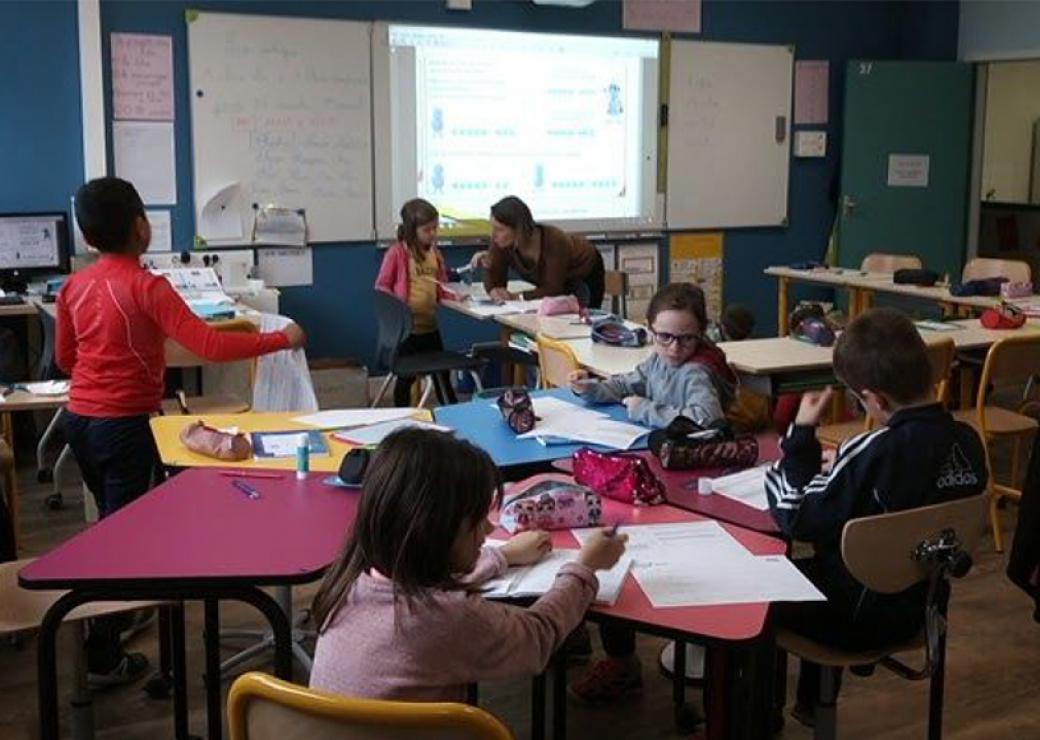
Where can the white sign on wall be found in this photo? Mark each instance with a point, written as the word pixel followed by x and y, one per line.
pixel 908 170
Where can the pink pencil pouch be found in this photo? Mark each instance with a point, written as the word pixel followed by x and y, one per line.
pixel 549 501
pixel 557 304
pixel 1016 290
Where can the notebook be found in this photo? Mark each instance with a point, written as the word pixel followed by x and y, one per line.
pixel 528 581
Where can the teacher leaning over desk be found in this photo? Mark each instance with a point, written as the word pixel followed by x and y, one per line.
pixel 556 263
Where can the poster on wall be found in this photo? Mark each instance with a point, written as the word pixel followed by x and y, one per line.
pixel 142 77
pixel 639 263
pixel 697 259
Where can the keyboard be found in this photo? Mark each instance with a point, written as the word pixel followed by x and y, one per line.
pixel 11 300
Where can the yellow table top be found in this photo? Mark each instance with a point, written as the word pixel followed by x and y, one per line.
pixel 167 430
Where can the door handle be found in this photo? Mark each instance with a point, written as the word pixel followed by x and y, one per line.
pixel 848 205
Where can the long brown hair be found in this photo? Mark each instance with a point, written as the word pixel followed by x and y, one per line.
pixel 415 213
pixel 514 213
pixel 420 488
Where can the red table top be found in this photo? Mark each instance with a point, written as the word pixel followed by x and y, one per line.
pixel 681 489
pixel 198 528
pixel 731 622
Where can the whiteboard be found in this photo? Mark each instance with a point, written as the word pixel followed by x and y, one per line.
pixel 280 107
pixel 729 126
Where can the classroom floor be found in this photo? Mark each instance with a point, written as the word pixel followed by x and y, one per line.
pixel 992 686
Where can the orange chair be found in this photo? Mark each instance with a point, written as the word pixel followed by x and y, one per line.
pixel 883 262
pixel 179 357
pixel 1010 362
pixel 261 707
pixel 981 268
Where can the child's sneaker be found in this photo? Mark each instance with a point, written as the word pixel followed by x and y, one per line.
pixel 608 680
pixel 131 667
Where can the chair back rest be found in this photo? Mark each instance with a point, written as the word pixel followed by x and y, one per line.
pixel 615 283
pixel 883 262
pixel 394 324
pixel 48 331
pixel 981 268
pixel 556 361
pixel 1011 361
pixel 878 550
pixel 261 707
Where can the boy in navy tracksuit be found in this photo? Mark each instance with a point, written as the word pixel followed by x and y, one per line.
pixel 916 456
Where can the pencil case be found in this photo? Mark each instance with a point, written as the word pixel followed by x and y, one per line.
pixel 550 501
pixel 558 304
pixel 620 477
pixel 517 409
pixel 205 440
pixel 1016 290
pixel 685 445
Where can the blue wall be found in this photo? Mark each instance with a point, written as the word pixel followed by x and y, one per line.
pixel 41 137
pixel 336 311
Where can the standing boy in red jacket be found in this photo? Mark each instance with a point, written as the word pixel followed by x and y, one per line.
pixel 113 321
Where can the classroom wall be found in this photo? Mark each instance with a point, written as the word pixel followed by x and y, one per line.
pixel 41 142
pixel 1012 107
pixel 335 310
pixel 999 29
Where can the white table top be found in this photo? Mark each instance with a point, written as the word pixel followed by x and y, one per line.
pixel 477 291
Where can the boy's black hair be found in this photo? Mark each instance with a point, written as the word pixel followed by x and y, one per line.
pixel 679 297
pixel 882 351
pixel 106 210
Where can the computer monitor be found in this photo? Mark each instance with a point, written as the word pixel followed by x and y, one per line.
pixel 32 244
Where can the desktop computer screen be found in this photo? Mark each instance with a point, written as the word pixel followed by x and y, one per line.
pixel 32 244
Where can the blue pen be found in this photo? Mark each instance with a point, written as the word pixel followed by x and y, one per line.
pixel 247 489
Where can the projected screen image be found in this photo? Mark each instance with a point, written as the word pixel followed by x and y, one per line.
pixel 568 123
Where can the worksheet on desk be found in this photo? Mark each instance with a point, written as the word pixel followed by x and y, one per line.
pixel 701 564
pixel 535 580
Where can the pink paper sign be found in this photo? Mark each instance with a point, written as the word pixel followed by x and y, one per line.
pixel 662 15
pixel 810 91
pixel 142 77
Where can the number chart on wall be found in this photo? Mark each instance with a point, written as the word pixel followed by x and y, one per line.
pixel 281 115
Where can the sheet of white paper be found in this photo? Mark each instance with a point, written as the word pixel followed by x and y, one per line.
pixel 162 235
pixel 340 418
pixel 570 421
pixel 700 564
pixel 535 580
pixel 747 487
pixel 221 218
pixel 144 155
pixel 502 309
pixel 286 267
pixel 283 379
pixel 374 434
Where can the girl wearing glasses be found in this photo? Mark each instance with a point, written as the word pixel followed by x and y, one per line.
pixel 687 375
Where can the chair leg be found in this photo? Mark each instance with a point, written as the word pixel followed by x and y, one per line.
pixel 427 391
pixel 826 705
pixel 994 521
pixel 937 689
pixel 382 389
pixel 1016 450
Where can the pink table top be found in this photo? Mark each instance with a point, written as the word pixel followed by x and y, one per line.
pixel 681 489
pixel 730 622
pixel 197 528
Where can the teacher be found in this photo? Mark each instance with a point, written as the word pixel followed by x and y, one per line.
pixel 556 263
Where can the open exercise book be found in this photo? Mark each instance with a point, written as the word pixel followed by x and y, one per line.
pixel 534 580
pixel 561 422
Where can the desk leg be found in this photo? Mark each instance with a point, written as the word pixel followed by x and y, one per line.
pixel 559 662
pixel 10 478
pixel 783 286
pixel 214 716
pixel 511 374
pixel 538 707
pixel 180 671
pixel 47 664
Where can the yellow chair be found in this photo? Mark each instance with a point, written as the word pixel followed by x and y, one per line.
pixel 940 357
pixel 179 357
pixel 981 268
pixel 1010 361
pixel 889 553
pixel 261 707
pixel 556 361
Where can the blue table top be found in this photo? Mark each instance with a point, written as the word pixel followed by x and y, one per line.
pixel 481 423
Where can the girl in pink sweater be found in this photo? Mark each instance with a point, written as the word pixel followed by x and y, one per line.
pixel 400 612
pixel 413 270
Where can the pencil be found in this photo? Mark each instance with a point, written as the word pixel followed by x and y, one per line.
pixel 233 474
